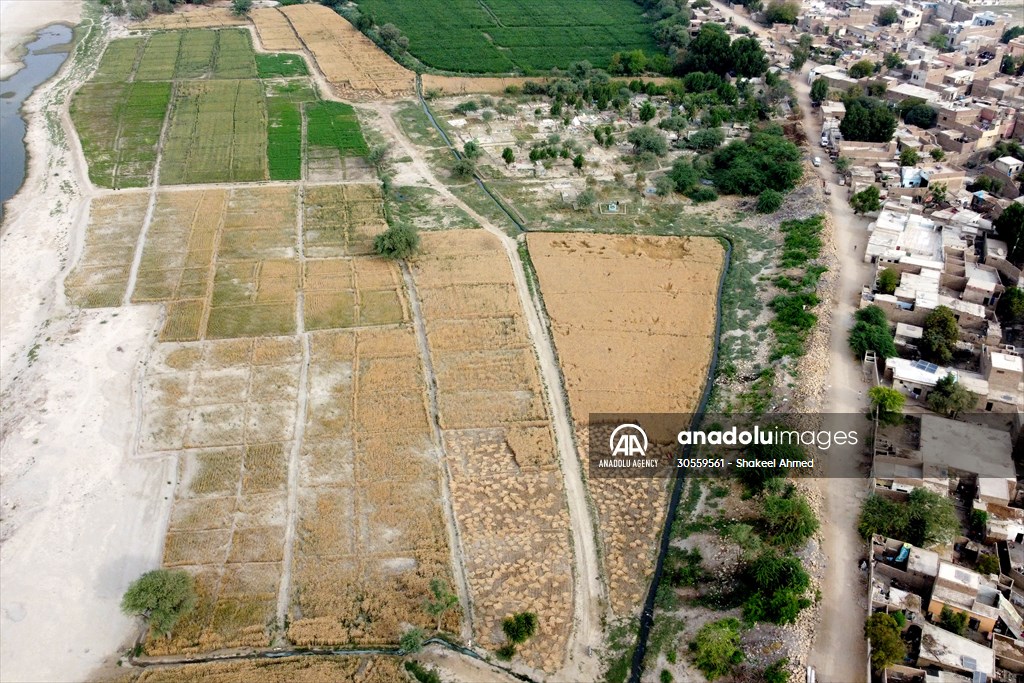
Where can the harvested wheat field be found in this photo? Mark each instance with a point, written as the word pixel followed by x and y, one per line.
pixel 633 320
pixel 192 16
pixel 274 31
pixel 351 62
pixel 371 532
pixel 287 670
pixel 101 274
pixel 506 485
pixel 227 410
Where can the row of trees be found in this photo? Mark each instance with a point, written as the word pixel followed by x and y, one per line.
pixel 140 9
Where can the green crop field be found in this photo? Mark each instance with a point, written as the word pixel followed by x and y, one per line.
pixel 225 124
pixel 218 133
pixel 280 64
pixel 499 36
pixel 119 124
pixel 334 124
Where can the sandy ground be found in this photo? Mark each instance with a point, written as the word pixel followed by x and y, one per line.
pixel 79 518
pixel 20 18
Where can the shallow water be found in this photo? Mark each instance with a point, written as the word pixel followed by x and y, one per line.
pixel 45 56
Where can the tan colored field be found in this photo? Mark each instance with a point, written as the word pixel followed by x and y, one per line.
pixel 274 31
pixel 371 533
pixel 507 490
pixel 465 85
pixel 101 274
pixel 342 220
pixel 191 16
pixel 351 62
pixel 632 320
pixel 228 409
pixel 287 670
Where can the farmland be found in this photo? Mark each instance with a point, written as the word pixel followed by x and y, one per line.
pixel 507 491
pixel 274 30
pixel 287 670
pixel 504 36
pixel 222 123
pixel 616 304
pixel 354 66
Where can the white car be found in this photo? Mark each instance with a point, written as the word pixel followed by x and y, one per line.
pixel 816 161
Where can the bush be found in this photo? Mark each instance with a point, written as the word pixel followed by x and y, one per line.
pixel 520 627
pixel 701 195
pixel 421 673
pixel 908 157
pixel 241 7
pixel 887 403
pixel 988 564
pixel 789 520
pixel 506 652
pixel 162 596
pixel 867 200
pixel 926 519
pixel 769 201
pixel 411 641
pixel 716 648
pixel 777 672
pixel 888 281
pixel 954 622
pixel 764 161
pixel 775 585
pixel 397 242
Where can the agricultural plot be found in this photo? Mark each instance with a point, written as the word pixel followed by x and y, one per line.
pixel 228 410
pixel 284 128
pixel 274 31
pixel 506 485
pixel 371 533
pixel 193 17
pixel 358 292
pixel 217 133
pixel 286 670
pixel 334 125
pixel 119 125
pixel 159 57
pixel 502 36
pixel 101 275
pixel 235 56
pixel 282 65
pixel 633 321
pixel 118 62
pixel 342 220
pixel 351 62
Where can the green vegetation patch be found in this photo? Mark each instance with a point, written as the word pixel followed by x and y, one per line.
pixel 119 59
pixel 284 139
pixel 334 124
pixel 119 125
pixel 235 56
pixel 500 36
pixel 160 57
pixel 280 64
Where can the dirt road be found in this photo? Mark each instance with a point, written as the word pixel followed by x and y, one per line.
pixel 588 589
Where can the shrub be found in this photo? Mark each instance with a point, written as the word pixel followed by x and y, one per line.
pixel 908 157
pixel 867 200
pixel 954 622
pixel 716 648
pixel 775 585
pixel 241 7
pixel 411 641
pixel 926 519
pixel 162 596
pixel 700 195
pixel 769 201
pixel 397 242
pixel 683 175
pixel 520 627
pixel 421 673
pixel 888 280
pixel 988 564
pixel 789 520
pixel 887 403
pixel 777 672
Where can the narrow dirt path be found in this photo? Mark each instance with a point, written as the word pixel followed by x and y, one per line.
pixel 588 590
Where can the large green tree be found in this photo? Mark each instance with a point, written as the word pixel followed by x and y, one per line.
pixel 399 241
pixel 941 332
pixel 748 58
pixel 950 397
pixel 1011 306
pixel 1010 229
pixel 887 403
pixel 887 648
pixel 764 161
pixel 867 200
pixel 888 16
pixel 781 12
pixel 819 89
pixel 709 51
pixel 925 519
pixel 868 120
pixel 162 597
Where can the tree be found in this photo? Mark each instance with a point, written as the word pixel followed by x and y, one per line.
pixel 1010 308
pixel 769 201
pixel 799 58
pixel 748 59
pixel 508 155
pixel 926 519
pixel 781 12
pixel 940 41
pixel 647 139
pixel 861 69
pixel 578 162
pixel 162 597
pixel 865 337
pixel 888 16
pixel 709 51
pixel 893 61
pixel 683 175
pixel 706 140
pixel 954 622
pixel 867 200
pixel 716 648
pixel 647 111
pixel 1010 229
pixel 843 164
pixel 399 241
pixel 471 150
pixel 378 157
pixel 937 153
pixel 789 520
pixel 951 398
pixel 887 404
pixel 921 115
pixel 241 7
pixel 465 168
pixel 765 160
pixel 1011 33
pixel 664 186
pixel 819 90
pixel 520 627
pixel 941 332
pixel 887 648
pixel 888 280
pixel 411 641
pixel 908 157
pixel 586 199
pixel 867 120
pixel 441 600
pixel 988 564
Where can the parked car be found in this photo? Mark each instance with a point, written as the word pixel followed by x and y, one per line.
pixel 816 161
